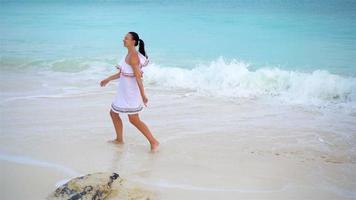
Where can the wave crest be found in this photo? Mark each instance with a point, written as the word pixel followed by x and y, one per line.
pixel 236 79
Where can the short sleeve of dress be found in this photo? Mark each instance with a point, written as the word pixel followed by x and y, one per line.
pixel 143 60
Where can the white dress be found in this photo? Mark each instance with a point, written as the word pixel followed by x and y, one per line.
pixel 128 97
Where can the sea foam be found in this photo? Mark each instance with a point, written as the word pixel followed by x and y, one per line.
pixel 237 79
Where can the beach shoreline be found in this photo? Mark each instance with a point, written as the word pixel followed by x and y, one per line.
pixel 210 148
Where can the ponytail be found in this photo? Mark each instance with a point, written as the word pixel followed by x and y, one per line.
pixel 141 48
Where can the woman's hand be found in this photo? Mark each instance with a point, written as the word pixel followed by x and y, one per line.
pixel 145 100
pixel 104 82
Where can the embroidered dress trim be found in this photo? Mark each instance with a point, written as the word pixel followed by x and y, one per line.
pixel 125 73
pixel 126 110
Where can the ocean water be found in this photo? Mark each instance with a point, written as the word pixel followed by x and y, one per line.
pixel 297 52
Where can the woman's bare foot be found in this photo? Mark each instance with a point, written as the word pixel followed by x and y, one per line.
pixel 154 146
pixel 116 141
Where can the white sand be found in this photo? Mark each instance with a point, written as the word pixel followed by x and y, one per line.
pixel 210 148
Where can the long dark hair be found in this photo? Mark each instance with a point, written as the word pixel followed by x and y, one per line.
pixel 141 47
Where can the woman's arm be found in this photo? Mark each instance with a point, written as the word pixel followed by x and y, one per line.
pixel 110 78
pixel 113 77
pixel 135 63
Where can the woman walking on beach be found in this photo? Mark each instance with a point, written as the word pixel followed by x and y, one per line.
pixel 130 95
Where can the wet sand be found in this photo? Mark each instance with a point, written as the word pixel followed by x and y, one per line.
pixel 210 148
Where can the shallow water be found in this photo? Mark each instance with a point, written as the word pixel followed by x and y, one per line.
pixel 208 147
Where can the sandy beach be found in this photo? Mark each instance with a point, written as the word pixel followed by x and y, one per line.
pixel 210 147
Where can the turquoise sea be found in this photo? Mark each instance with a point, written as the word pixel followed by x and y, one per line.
pixel 298 51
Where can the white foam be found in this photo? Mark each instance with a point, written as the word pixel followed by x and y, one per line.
pixel 35 162
pixel 219 78
pixel 166 184
pixel 65 94
pixel 236 79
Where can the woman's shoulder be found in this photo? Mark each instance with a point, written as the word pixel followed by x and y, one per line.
pixel 139 58
pixel 133 59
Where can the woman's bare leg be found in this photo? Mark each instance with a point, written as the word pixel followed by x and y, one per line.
pixel 118 127
pixel 141 126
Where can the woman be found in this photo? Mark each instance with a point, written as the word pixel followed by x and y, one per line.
pixel 130 95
